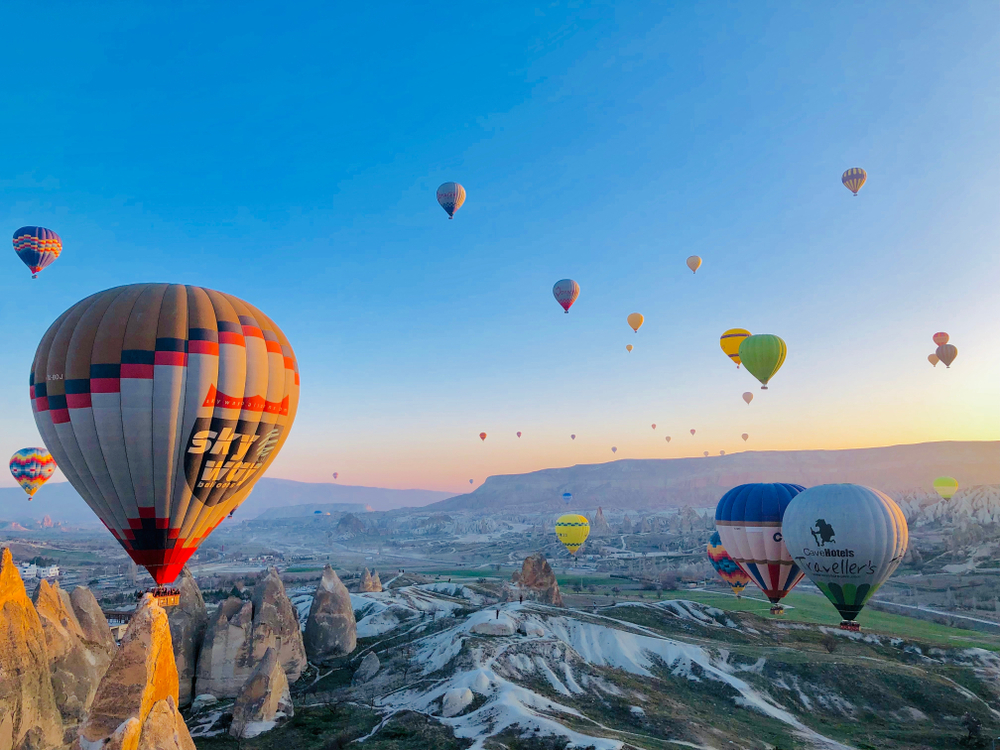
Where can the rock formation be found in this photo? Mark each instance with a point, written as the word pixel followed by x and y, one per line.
pixel 645 527
pixel 47 522
pixel 599 526
pixel 188 621
pixel 262 700
pixel 626 525
pixel 368 668
pixel 225 661
pixel 330 629
pixel 136 703
pixel 276 623
pixel 537 581
pixel 453 702
pixel 29 718
pixel 76 665
pixel 92 621
pixel 376 582
pixel 366 582
pixel 350 524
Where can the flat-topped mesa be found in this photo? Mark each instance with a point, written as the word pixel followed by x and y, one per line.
pixel 331 629
pixel 28 713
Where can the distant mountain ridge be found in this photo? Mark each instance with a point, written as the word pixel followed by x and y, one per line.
pixel 648 484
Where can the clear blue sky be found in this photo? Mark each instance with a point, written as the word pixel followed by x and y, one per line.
pixel 289 154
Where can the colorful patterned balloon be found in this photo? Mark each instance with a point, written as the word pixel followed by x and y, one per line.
pixel 566 291
pixel 572 530
pixel 946 353
pixel 853 179
pixel 730 342
pixel 37 247
pixel 941 338
pixel 727 568
pixel 32 467
pixel 763 354
pixel 451 196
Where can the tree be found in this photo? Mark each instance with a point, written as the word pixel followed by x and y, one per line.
pixel 829 642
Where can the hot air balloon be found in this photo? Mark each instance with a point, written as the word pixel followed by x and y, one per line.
pixel 941 338
pixel 628 347
pixel 946 487
pixel 470 481
pixel 763 354
pixel 668 438
pixel 566 292
pixel 317 512
pixel 847 560
pixel 451 196
pixel 694 263
pixel 692 432
pixel 730 342
pixel 614 449
pixel 163 404
pixel 947 353
pixel 572 530
pixel 748 397
pixel 706 454
pixel 567 496
pixel 933 359
pixel 722 453
pixel 519 434
pixel 335 475
pixel 653 425
pixel 572 437
pixel 37 247
pixel 745 437
pixel 727 568
pixel 635 321
pixel 32 467
pixel 482 436
pixel 748 519
pixel 853 179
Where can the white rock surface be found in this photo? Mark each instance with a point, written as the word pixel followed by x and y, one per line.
pixel 455 701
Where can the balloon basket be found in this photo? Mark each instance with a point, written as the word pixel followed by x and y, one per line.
pixel 850 625
pixel 763 387
pixel 166 596
pixel 777 609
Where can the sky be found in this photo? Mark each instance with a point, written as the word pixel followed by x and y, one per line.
pixel 289 155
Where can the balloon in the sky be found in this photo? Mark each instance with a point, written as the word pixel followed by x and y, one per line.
pixel 519 434
pixel 706 454
pixel 946 487
pixel 614 449
pixel 748 397
pixel 572 437
pixel 722 453
pixel 730 342
pixel 482 436
pixel 317 512
pixel 848 539
pixel 727 568
pixel 37 247
pixel 572 530
pixel 668 438
pixel 635 321
pixel 567 496
pixel 694 263
pixel 947 353
pixel 32 467
pixel 933 359
pixel 692 432
pixel 748 519
pixel 853 179
pixel 566 292
pixel 653 425
pixel 451 196
pixel 335 475
pixel 163 404
pixel 941 338
pixel 628 347
pixel 745 437
pixel 763 354
pixel 470 481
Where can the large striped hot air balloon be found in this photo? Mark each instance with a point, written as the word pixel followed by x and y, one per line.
pixel 853 179
pixel 727 568
pixel 763 354
pixel 163 404
pixel 37 247
pixel 748 519
pixel 32 467
pixel 566 291
pixel 572 530
pixel 451 196
pixel 730 342
pixel 946 353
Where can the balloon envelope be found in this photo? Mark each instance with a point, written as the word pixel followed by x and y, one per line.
pixel 572 530
pixel 635 321
pixel 614 449
pixel 848 539
pixel 482 436
pixel 748 519
pixel 567 496
pixel 572 437
pixel 730 342
pixel 947 353
pixel 692 432
pixel 470 481
pixel 163 404
pixel 946 487
pixel 668 438
pixel 706 454
pixel 566 292
pixel 451 196
pixel 694 263
pixel 727 568
pixel 653 426
pixel 37 247
pixel 519 434
pixel 628 347
pixel 763 354
pixel 854 178
pixel 941 338
pixel 933 359
pixel 335 475
pixel 748 397
pixel 32 467
pixel 745 437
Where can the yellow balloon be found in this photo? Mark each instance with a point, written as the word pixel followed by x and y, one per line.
pixel 628 347
pixel 730 342
pixel 635 320
pixel 572 530
pixel 946 487
pixel 694 263
pixel 933 359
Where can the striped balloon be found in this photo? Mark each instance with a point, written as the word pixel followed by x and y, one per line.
pixel 37 247
pixel 32 467
pixel 451 196
pixel 727 568
pixel 163 404
pixel 572 530
pixel 854 178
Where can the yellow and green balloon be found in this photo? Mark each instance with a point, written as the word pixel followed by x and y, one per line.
pixel 763 354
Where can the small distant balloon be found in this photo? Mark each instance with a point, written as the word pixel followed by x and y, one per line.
pixel 694 263
pixel 947 353
pixel 730 342
pixel 317 512
pixel 566 292
pixel 722 453
pixel 567 496
pixel 470 481
pixel 572 437
pixel 933 359
pixel 668 438
pixel 748 397
pixel 692 432
pixel 519 434
pixel 946 487
pixel 653 425
pixel 853 179
pixel 706 454
pixel 37 247
pixel 482 436
pixel 745 437
pixel 635 321
pixel 628 347
pixel 614 449
pixel 335 475
pixel 941 338
pixel 32 467
pixel 451 196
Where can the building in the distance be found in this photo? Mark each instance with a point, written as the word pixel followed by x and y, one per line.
pixel 27 570
pixel 48 571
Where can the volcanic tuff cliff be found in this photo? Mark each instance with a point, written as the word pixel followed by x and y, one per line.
pixel 331 629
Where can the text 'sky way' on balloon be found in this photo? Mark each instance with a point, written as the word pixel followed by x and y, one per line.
pixel 572 530
pixel 482 436
pixel 848 539
pixel 567 497
pixel 628 347
pixel 745 437
pixel 853 179
pixel 941 338
pixel 947 353
pixel 163 404
pixel 727 568
pixel 566 291
pixel 635 321
pixel 763 354
pixel 933 359
pixel 748 397
pixel 748 519
pixel 730 342
pixel 32 467
pixel 946 487
pixel 451 196
pixel 694 263
pixel 37 247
